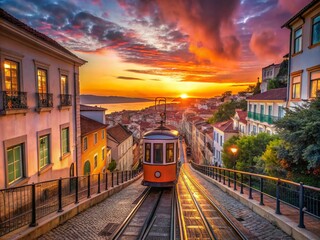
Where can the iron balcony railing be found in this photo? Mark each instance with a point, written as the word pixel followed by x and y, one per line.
pixel 262 117
pixel 44 100
pixel 24 205
pixel 13 100
pixel 297 195
pixel 65 100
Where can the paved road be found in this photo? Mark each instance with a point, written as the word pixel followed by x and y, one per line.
pixel 91 223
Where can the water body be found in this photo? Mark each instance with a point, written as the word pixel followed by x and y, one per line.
pixel 117 107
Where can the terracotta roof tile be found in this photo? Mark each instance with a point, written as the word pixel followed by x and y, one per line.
pixel 273 94
pixel 226 126
pixel 89 125
pixel 119 133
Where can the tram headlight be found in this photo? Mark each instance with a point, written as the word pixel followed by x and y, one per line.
pixel 157 174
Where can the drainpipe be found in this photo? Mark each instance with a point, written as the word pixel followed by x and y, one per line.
pixel 289 69
pixel 75 115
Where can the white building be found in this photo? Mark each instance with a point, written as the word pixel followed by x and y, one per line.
pixel 264 109
pixel 304 57
pixel 268 73
pixel 120 140
pixel 222 131
pixel 39 106
pixel 240 122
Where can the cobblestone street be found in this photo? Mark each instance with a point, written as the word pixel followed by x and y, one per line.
pixel 89 224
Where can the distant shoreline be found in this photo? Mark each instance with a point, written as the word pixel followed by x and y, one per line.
pixel 94 99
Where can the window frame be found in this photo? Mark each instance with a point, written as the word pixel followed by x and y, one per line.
pixel 297 38
pixel 310 71
pixel 103 153
pixel 95 160
pixel 155 152
pixel 312 29
pixel 292 85
pixel 64 73
pixel 64 154
pixel 168 151
pixel 85 143
pixel 17 75
pixel 42 66
pixel 48 166
pixel 147 150
pixel 95 138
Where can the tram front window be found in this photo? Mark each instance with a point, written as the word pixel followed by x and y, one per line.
pixel 147 157
pixel 169 152
pixel 158 153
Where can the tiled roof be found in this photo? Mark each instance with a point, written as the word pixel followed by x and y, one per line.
pixel 91 108
pixel 6 16
pixel 89 125
pixel 119 133
pixel 226 126
pixel 242 115
pixel 273 94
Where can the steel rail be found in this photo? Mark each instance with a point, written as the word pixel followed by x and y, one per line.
pixel 126 222
pixel 222 214
pixel 204 219
pixel 173 215
pixel 149 220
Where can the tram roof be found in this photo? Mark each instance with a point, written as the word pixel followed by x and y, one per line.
pixel 161 132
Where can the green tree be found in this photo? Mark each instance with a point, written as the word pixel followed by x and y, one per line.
pixel 112 165
pixel 300 129
pixel 228 157
pixel 250 148
pixel 227 110
pixel 271 163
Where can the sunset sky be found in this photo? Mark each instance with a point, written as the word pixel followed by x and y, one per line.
pixel 150 48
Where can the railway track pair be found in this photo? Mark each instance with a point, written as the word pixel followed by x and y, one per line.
pixel 184 212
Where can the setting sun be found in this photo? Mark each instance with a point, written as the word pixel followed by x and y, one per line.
pixel 184 95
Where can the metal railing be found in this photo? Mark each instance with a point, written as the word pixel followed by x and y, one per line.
pixel 24 205
pixel 302 197
pixel 65 99
pixel 262 117
pixel 13 100
pixel 44 100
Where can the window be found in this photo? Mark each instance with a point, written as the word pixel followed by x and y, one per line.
pixel 15 163
pixel 296 85
pixel 95 138
pixel 314 83
pixel 95 159
pixel 170 152
pixel 315 38
pixel 102 134
pixel 103 153
pixel 11 75
pixel 280 112
pixel 85 143
pixel 86 168
pixel 221 141
pixel 269 110
pixel 65 141
pixel 158 153
pixel 298 40
pixel 42 81
pixel 64 84
pixel 147 154
pixel 44 151
pixel 261 109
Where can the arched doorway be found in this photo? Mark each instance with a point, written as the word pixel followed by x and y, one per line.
pixel 86 169
pixel 72 179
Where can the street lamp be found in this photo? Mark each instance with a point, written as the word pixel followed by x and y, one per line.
pixel 234 151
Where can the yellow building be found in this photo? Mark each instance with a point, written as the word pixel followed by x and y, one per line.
pixel 93 146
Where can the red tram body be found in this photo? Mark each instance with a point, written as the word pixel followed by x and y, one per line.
pixel 161 154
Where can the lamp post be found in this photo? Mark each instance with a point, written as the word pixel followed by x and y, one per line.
pixel 234 151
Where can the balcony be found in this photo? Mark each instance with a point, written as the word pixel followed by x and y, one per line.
pixel 13 101
pixel 262 117
pixel 65 100
pixel 44 100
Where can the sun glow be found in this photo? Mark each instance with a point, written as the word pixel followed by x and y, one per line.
pixel 184 96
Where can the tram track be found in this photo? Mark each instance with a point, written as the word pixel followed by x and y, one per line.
pixel 200 216
pixel 152 218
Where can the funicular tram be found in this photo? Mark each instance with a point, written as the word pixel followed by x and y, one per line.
pixel 161 153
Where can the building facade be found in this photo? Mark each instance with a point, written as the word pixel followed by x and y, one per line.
pixel 268 73
pixel 120 140
pixel 304 57
pixel 39 106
